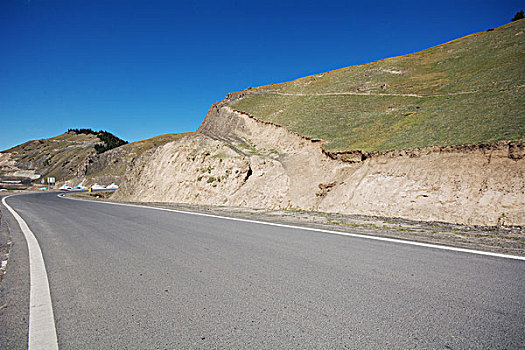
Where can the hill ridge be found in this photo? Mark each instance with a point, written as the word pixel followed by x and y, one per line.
pixel 386 58
pixel 465 91
pixel 76 156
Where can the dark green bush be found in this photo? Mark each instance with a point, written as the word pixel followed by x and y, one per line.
pixel 518 15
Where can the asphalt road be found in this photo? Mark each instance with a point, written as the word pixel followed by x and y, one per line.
pixel 139 278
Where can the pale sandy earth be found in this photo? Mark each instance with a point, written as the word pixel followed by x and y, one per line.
pixel 237 160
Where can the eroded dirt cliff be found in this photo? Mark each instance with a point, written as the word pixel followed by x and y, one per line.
pixel 237 160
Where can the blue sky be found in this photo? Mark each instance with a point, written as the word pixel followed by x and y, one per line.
pixel 144 68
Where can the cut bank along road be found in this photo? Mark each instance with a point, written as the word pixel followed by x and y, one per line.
pixel 129 277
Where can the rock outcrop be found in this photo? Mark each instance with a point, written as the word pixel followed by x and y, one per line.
pixel 236 160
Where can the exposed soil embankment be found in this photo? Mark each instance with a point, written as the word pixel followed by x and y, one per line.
pixel 237 160
pixel 515 150
pixel 103 168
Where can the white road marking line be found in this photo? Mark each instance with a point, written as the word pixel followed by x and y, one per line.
pixel 42 332
pixel 356 235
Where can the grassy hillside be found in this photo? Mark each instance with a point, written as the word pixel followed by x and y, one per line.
pixel 466 91
pixel 58 156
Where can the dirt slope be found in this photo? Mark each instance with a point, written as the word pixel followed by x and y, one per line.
pixel 422 136
pixel 236 160
pixel 111 166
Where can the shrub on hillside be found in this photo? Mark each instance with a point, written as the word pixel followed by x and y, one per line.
pixel 518 15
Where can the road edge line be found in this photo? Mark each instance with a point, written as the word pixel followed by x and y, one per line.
pixel 42 331
pixel 355 235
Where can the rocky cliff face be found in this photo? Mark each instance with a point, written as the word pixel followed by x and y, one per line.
pixel 237 160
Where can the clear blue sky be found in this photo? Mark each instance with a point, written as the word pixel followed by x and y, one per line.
pixel 142 68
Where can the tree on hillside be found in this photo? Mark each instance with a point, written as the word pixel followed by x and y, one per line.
pixel 518 15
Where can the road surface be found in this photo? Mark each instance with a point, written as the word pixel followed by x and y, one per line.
pixel 125 277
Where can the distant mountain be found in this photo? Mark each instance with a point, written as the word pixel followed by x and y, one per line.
pixel 79 155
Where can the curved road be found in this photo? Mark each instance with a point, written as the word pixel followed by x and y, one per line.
pixel 139 278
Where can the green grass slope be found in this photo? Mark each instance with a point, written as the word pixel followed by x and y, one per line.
pixel 466 91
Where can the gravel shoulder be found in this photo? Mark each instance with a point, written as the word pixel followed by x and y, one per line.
pixel 498 239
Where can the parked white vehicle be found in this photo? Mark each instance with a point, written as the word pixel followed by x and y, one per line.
pixel 113 186
pixel 65 187
pixel 98 187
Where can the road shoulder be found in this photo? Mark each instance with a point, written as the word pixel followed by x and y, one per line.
pixel 502 240
pixel 14 287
